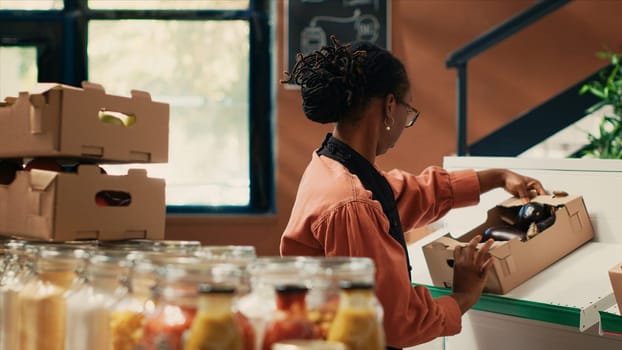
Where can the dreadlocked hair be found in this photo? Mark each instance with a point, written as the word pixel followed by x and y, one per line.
pixel 332 81
pixel 338 81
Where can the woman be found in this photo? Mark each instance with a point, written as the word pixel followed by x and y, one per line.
pixel 345 206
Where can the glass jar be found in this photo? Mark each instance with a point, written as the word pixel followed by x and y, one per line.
pixel 240 256
pixel 16 274
pixel 87 305
pixel 3 258
pixel 41 302
pixel 127 315
pixel 128 244
pixel 326 273
pixel 289 321
pixel 265 274
pixel 356 323
pixel 215 326
pixel 176 294
pixel 179 247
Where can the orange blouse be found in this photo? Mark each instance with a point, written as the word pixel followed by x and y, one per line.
pixel 334 215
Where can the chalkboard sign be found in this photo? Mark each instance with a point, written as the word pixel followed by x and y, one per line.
pixel 310 23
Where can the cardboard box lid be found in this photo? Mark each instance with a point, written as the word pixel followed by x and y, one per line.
pixel 545 199
pixel 40 179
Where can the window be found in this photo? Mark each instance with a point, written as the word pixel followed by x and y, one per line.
pixel 18 71
pixel 208 59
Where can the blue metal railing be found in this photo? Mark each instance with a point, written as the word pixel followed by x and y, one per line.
pixel 459 58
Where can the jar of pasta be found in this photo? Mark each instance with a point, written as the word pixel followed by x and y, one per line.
pixel 55 271
pixel 88 304
pixel 127 315
pixel 356 323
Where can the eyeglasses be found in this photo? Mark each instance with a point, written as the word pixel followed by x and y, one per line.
pixel 413 114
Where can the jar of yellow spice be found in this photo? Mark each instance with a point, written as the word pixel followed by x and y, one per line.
pixel 356 323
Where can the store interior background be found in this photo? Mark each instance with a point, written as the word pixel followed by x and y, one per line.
pixel 510 78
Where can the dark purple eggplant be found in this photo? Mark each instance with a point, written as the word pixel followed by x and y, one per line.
pixel 545 223
pixel 8 170
pixel 503 233
pixel 532 212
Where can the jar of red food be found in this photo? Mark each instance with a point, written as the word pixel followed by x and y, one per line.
pixel 266 273
pixel 289 321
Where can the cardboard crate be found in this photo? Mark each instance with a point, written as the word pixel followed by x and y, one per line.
pixel 52 206
pixel 615 276
pixel 55 120
pixel 515 261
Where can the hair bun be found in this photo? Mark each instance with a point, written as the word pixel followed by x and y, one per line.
pixel 332 81
pixel 325 98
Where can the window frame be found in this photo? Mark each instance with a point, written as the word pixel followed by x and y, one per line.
pixel 41 28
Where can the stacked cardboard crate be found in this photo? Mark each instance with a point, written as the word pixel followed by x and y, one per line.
pixel 52 141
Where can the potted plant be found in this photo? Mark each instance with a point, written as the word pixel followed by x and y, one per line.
pixel 608 142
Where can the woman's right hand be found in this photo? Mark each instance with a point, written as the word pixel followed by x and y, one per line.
pixel 471 267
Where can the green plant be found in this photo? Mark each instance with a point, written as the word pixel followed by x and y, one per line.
pixel 608 143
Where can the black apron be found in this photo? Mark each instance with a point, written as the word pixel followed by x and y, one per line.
pixel 373 181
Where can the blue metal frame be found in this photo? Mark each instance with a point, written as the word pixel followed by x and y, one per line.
pixel 70 24
pixel 459 58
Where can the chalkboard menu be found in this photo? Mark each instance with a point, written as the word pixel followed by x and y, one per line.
pixel 310 23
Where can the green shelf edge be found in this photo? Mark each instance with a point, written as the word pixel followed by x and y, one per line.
pixel 610 323
pixel 561 315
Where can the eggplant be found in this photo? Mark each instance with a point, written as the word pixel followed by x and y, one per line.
pixel 8 171
pixel 545 223
pixel 503 233
pixel 532 212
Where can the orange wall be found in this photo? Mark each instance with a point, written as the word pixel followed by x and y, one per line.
pixel 511 78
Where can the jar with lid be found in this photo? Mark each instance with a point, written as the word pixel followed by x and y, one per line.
pixel 3 257
pixel 176 293
pixel 215 326
pixel 240 256
pixel 289 321
pixel 127 315
pixel 325 275
pixel 87 305
pixel 176 246
pixel 55 272
pixel 16 274
pixel 266 273
pixel 128 244
pixel 356 323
